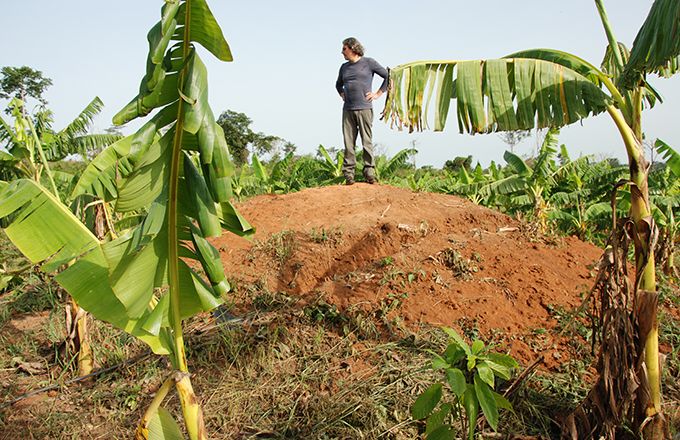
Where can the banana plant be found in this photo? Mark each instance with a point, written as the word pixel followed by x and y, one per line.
pixel 331 168
pixel 265 180
pixel 550 88
pixel 75 137
pixel 25 155
pixel 387 168
pixel 21 142
pixel 284 174
pixel 423 181
pixel 579 197
pixel 29 141
pixel 243 182
pixel 529 185
pixel 180 176
pixel 664 187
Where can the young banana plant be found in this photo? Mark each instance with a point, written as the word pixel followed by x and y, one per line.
pixel 25 154
pixel 177 170
pixel 29 142
pixel 332 168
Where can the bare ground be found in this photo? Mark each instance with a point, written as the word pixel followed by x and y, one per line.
pixel 338 297
pixel 446 260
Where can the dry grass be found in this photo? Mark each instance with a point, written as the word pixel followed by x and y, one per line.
pixel 285 370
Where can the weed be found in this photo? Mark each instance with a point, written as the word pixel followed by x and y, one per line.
pixel 669 292
pixel 391 275
pixel 266 301
pixel 416 275
pixel 460 266
pixel 280 246
pixel 469 327
pixel 12 258
pixel 387 261
pixel 35 293
pixel 331 237
pixel 323 312
pixel 391 302
pixel 571 321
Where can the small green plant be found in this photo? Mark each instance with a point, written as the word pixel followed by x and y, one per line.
pixel 387 261
pixel 471 373
pixel 331 236
pixel 392 302
pixel 416 275
pixel 324 312
pixel 391 275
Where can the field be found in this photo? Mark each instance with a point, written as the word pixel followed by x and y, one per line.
pixel 196 279
pixel 332 322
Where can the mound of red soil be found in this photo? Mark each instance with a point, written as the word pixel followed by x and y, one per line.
pixel 429 258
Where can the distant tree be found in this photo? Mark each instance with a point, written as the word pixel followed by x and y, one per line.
pixel 22 83
pixel 457 163
pixel 289 147
pixel 263 144
pixel 512 138
pixel 237 131
pixel 613 162
pixel 242 140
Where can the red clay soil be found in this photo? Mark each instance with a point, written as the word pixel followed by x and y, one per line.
pixel 365 246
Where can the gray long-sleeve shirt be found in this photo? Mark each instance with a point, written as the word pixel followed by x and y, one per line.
pixel 355 80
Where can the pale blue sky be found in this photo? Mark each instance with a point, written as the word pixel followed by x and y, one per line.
pixel 287 55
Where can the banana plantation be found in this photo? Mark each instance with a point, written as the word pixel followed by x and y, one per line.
pixel 161 285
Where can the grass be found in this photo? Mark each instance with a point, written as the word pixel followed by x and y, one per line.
pixel 280 246
pixel 289 370
pixel 330 237
pixel 669 337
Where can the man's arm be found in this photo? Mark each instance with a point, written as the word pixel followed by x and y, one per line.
pixel 339 85
pixel 381 71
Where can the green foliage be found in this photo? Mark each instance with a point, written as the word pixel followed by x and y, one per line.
pixel 657 45
pixel 25 156
pixel 565 195
pixel 457 163
pixel 177 174
pixel 330 236
pixel 331 169
pixel 471 374
pixel 75 137
pixel 32 142
pixel 242 140
pixel 22 83
pixel 388 168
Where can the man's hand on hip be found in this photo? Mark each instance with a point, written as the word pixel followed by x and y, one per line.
pixel 372 96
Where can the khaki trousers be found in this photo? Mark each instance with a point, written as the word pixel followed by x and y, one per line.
pixel 356 122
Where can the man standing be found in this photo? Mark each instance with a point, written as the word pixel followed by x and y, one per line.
pixel 354 85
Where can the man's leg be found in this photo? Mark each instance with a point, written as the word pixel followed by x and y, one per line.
pixel 349 134
pixel 365 123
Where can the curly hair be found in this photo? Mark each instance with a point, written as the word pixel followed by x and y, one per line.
pixel 354 45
